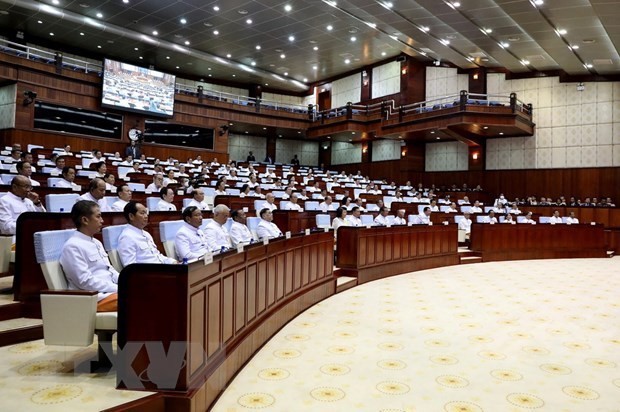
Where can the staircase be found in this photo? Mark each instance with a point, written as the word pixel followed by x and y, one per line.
pixel 467 256
pixel 14 328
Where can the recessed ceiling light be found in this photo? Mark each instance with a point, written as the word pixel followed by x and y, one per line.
pixel 229 55
pixel 291 38
pixel 445 41
pixel 167 57
pixel 216 8
pixel 501 133
pixel 438 138
pixel 314 67
pixel 589 65
pixel 329 27
pixel 432 132
pixel 248 21
pixel 125 1
pixel 266 84
pixel 286 73
pixel 242 12
pixel 315 48
pixel 562 31
pixel 99 15
pixel 177 67
pixel 383 53
pixel 456 4
pixel 56 2
pixel 525 62
pixel 485 127
pixel 155 32
pixel 539 2
pixel 51 34
pixel 39 21
pixel 98 46
pixel 305 79
pixel 574 46
pixel 488 30
pixel 135 48
pixel 288 7
pixel 425 29
pixel 140 57
pixel 187 42
pixel 347 61
pixel 253 63
pixel 258 47
pixel 388 4
pixel 588 41
pixel 183 21
pixel 505 45
pixel 353 38
pixel 209 74
pixel 216 32
pixel 283 56
pixel 81 34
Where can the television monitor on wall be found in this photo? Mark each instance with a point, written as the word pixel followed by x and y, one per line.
pixel 137 89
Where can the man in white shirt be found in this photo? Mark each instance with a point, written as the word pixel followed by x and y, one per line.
pixel 268 203
pixel 400 217
pixel 165 203
pixel 158 183
pixel 465 225
pixel 476 207
pixel 136 245
pixel 303 195
pixel 293 205
pixel 382 217
pixel 266 228
pixel 571 219
pixel 18 200
pixel 124 196
pixel 25 169
pixel 327 205
pixel 68 176
pixel 490 218
pixel 96 193
pixel 354 217
pixel 60 165
pixel 452 208
pixel 528 219
pixel 556 218
pixel 424 218
pixel 199 200
pixel 84 260
pixel 433 206
pixel 239 232
pixel 190 241
pixel 218 239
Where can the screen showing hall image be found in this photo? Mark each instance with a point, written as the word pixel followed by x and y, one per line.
pixel 137 89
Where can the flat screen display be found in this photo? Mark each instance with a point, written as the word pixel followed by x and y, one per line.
pixel 137 89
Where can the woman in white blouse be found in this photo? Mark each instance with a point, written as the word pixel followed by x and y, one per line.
pixel 340 219
pixel 220 188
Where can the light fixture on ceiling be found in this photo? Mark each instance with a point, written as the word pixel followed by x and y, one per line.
pixel 305 79
pixel 504 45
pixel 258 47
pixel 501 133
pixel 286 73
pixel 248 21
pixel 81 33
pixel 155 32
pixel 474 156
pixel 167 57
pixel 99 15
pixel 347 61
pixel 561 32
pixel 187 42
pixel 588 65
pixel 39 21
pixel 135 48
pixel 216 8
pixel 216 32
pixel 55 2
pixel 288 7
pixel 315 48
pixel 425 29
pixel 525 62
pixel 574 46
pixel 455 4
pixel 383 53
pixel 183 21
pixel 330 27
pixel 353 38
pixel 228 56
pixel 539 2
pixel 488 31
pixel 253 63
pixel 291 38
pixel 445 42
pixel 283 56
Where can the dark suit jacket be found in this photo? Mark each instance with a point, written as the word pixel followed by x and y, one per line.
pixel 129 151
pixel 250 159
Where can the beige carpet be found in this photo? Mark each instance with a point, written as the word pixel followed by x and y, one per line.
pixel 510 336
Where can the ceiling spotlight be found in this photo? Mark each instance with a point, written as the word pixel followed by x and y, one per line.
pixel 525 62
pixel 39 21
pixel 258 47
pixel 177 67
pixel 562 31
pixel 315 48
pixel 330 27
pixel 589 65
pixel 383 53
pixel 155 32
pixel 216 8
pixel 283 56
pixel 183 21
pixel 291 38
pixel 216 32
pixel 187 42
pixel 574 47
pixel 135 48
pixel 56 2
pixel 140 57
pixel 353 38
pixel 248 21
pixel 81 33
pixel 253 63
pixel 167 57
pixel 51 34
pixel 125 1
pixel 445 42
pixel 488 31
pixel 501 133
pixel 228 56
pixel 97 46
pixel 505 45
pixel 99 15
pixel 456 4
pixel 388 4
pixel 288 7
pixel 305 79
pixel 425 29
pixel 539 2
pixel 347 61
pixel 314 67
pixel 286 73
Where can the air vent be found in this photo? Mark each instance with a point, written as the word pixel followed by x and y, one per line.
pixel 427 50
pixel 514 38
pixel 535 57
pixel 588 41
pixel 602 62
pixel 346 55
pixel 478 55
pixel 353 30
pixel 242 12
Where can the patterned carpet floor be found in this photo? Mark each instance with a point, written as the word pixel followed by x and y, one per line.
pixel 507 336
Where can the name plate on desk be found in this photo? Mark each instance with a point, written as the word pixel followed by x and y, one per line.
pixel 325 229
pixel 148 191
pixel 287 234
pixel 55 174
pixel 246 209
pixel 180 192
pixel 367 226
pixel 240 248
pixel 208 258
pixel 78 167
pixel 266 241
pixel 410 224
pixel 446 223
pixel 307 232
pixel 76 189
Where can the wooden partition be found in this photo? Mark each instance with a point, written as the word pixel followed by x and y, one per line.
pixel 378 252
pixel 523 241
pixel 221 313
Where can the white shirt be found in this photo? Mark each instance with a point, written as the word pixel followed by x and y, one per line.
pixel 200 205
pixel 293 206
pixel 354 221
pixel 190 242
pixel 572 221
pixel 421 219
pixel 450 210
pixel 164 206
pixel 137 246
pixel 239 233
pixel 266 229
pixel 555 220
pixel 488 219
pixel 152 188
pixel 434 208
pixel 400 221
pixel 103 204
pixel 337 222
pixel 217 236
pixel 67 184
pixel 475 209
pixel 11 207
pixel 325 207
pixel 267 205
pixel 528 220
pixel 381 220
pixel 465 224
pixel 87 266
pixel 220 193
pixel 119 205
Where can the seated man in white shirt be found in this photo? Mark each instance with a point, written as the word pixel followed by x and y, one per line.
pixel 293 204
pixel 269 203
pixel 465 225
pixel 327 205
pixel 465 201
pixel 25 169
pixel 302 195
pixel 266 228
pixel 513 209
pixel 18 200
pixel 110 181
pixel 400 218
pixel 499 208
pixel 169 179
pixel 68 177
pixel 84 260
pixel 165 203
pixel 60 165
pixel 381 219
pixel 508 219
pixel 354 217
pixel 218 239
pixel 190 241
pixel 360 204
pixel 490 218
pixel 452 208
pixel 96 193
pixel 528 219
pixel 556 218
pixel 158 183
pixel 198 199
pixel 476 207
pixel 571 219
pixel 136 245
pixel 239 232
pixel 433 206
pixel 424 218
pixel 124 194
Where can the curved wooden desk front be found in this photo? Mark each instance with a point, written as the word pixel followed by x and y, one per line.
pixel 219 314
pixel 378 252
